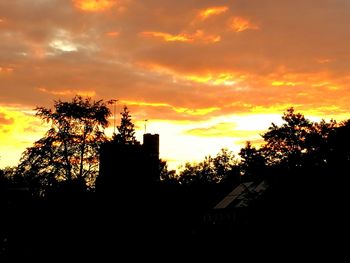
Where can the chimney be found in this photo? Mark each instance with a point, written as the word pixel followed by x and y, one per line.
pixel 151 144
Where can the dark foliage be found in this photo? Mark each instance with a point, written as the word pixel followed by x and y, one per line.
pixel 69 150
pixel 211 170
pixel 252 163
pixel 126 129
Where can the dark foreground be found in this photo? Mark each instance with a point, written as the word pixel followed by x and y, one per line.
pixel 289 218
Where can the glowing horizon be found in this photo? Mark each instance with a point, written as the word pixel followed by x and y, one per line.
pixel 205 76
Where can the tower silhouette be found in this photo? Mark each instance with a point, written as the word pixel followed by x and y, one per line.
pixel 128 166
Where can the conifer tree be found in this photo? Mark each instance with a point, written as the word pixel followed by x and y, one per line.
pixel 126 129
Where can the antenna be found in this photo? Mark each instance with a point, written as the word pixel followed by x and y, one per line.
pixel 145 125
pixel 114 101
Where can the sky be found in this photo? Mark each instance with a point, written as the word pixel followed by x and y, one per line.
pixel 204 74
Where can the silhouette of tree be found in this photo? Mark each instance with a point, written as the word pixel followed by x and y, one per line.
pixel 210 170
pixel 7 174
pixel 318 143
pixel 70 148
pixel 166 175
pixel 252 162
pixel 287 143
pixel 224 162
pixel 3 180
pixel 126 129
pixel 339 147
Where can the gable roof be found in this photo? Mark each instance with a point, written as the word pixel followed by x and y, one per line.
pixel 242 195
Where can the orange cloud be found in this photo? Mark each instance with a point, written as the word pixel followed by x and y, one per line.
pixel 168 37
pixel 4 70
pixel 196 112
pixel 94 5
pixel 318 81
pixel 240 24
pixel 216 130
pixel 210 79
pixel 112 34
pixel 278 83
pixel 199 35
pixel 227 79
pixel 142 103
pixel 69 92
pixel 221 130
pixel 324 60
pixel 187 111
pixel 212 11
pixel 206 38
pixel 4 120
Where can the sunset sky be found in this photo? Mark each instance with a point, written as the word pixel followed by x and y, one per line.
pixel 206 74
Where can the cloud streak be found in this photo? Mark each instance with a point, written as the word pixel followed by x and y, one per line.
pixel 199 35
pixel 240 24
pixel 94 5
pixel 212 11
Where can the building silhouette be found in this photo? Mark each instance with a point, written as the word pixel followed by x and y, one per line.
pixel 124 166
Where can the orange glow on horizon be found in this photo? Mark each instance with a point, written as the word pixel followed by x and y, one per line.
pixel 19 128
pixel 94 5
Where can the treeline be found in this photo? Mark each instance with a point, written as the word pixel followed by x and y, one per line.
pixel 67 156
pixel 297 146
